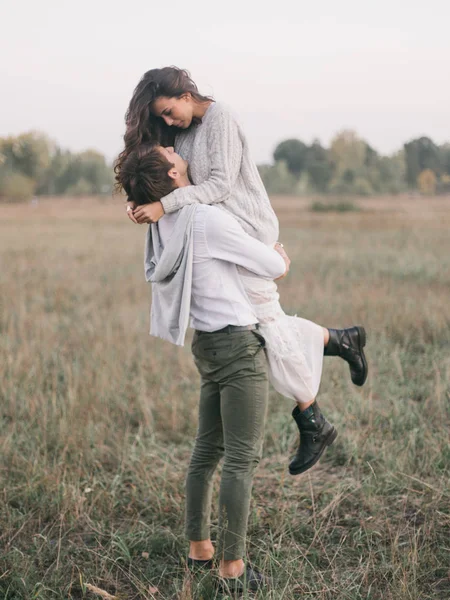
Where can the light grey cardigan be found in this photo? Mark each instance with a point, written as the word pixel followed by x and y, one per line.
pixel 169 270
pixel 224 174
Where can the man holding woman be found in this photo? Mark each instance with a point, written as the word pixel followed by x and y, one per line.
pixel 195 253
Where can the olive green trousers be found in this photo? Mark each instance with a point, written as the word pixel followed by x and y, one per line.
pixel 232 413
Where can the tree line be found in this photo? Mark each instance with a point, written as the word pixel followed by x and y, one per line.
pixel 32 164
pixel 351 166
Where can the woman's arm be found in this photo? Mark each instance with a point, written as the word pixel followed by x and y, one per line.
pixel 224 152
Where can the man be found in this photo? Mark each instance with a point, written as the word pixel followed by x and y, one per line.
pixel 192 257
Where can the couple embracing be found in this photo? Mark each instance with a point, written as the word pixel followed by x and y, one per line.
pixel 213 257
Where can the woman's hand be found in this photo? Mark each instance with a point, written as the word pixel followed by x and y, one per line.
pixel 148 213
pixel 281 251
pixel 130 208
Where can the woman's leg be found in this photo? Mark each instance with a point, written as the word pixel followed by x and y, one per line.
pixel 295 351
pixel 207 452
pixel 316 433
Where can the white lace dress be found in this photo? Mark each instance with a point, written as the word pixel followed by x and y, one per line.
pixel 294 346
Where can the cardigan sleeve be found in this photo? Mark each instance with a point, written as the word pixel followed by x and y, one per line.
pixel 224 153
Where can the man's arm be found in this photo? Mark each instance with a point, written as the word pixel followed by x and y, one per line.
pixel 226 240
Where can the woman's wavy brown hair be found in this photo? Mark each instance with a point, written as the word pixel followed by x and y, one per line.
pixel 141 126
pixel 144 175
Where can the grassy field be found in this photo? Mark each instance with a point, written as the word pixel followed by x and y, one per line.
pixel 97 419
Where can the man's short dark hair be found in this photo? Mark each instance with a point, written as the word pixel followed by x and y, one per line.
pixel 144 175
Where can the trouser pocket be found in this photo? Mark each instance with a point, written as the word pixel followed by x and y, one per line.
pixel 259 337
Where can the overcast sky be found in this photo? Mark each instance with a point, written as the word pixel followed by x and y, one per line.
pixel 288 68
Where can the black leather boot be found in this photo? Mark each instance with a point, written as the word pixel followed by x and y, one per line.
pixel 349 344
pixel 316 433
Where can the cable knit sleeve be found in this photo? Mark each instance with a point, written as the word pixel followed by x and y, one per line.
pixel 224 153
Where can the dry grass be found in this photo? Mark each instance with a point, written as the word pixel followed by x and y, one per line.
pixel 97 418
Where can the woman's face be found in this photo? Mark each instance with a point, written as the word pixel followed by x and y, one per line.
pixel 176 112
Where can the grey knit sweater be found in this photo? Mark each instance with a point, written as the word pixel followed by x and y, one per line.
pixel 224 174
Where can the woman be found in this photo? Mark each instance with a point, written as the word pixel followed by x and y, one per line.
pixel 166 106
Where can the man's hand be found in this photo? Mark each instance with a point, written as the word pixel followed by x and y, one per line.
pixel 280 249
pixel 148 213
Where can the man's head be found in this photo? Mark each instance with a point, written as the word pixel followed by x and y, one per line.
pixel 151 172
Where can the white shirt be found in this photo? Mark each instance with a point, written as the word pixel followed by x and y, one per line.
pixel 220 246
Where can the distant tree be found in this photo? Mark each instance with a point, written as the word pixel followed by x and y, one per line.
pixel 351 185
pixel 67 170
pixel 421 154
pixel 426 182
pixel 444 152
pixel 348 176
pixel 391 174
pixel 348 152
pixel 277 178
pixel 362 187
pixel 352 159
pixel 319 166
pixel 28 154
pixel 444 183
pixel 95 170
pixel 55 178
pixel 15 187
pixel 32 163
pixel 294 153
pixel 81 188
pixel 372 156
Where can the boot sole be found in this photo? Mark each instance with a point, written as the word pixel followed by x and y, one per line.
pixel 361 343
pixel 330 439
